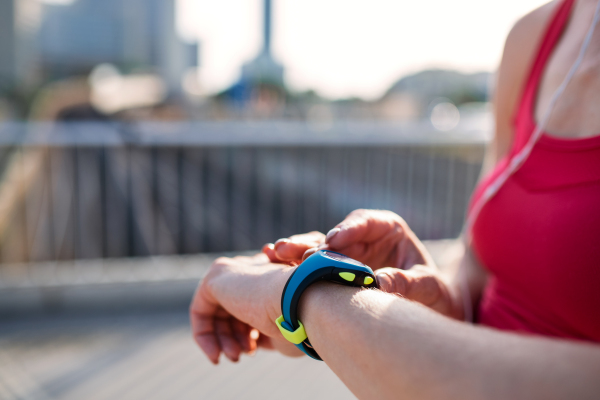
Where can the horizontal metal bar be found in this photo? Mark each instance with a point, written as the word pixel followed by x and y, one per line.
pixel 241 133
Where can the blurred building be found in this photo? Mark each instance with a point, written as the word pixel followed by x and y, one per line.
pixel 19 24
pixel 264 69
pixel 132 34
pixel 260 91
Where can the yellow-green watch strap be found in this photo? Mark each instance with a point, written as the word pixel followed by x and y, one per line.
pixel 298 336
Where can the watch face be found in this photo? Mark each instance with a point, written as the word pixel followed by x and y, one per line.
pixel 341 257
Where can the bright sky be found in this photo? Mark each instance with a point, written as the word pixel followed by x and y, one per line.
pixel 344 48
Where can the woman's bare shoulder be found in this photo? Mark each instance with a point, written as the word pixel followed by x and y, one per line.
pixel 523 40
pixel 526 33
pixel 519 52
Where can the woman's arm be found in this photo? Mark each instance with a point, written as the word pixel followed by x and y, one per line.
pixel 386 347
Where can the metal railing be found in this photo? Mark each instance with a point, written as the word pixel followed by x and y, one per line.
pixel 101 190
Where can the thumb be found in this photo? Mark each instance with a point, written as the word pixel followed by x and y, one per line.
pixel 420 283
pixel 392 280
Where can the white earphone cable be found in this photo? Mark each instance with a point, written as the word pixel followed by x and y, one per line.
pixel 519 158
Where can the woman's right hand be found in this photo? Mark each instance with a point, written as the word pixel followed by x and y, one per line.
pixel 382 240
pixel 235 306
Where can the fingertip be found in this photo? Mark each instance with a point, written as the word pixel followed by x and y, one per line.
pixel 252 349
pixel 209 346
pixel 290 251
pixel 341 236
pixel 331 234
pixel 233 355
pixel 392 280
pixel 281 241
pixel 384 281
pixel 230 347
pixel 309 253
pixel 269 251
pixel 212 356
pixel 280 247
pixel 268 246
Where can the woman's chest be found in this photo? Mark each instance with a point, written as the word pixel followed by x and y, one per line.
pixel 542 238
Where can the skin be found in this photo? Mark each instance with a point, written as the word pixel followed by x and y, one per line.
pixel 382 345
pixel 385 242
pixel 421 350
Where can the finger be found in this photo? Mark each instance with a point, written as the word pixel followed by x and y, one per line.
pixel 202 312
pixel 203 331
pixel 357 250
pixel 241 333
pixel 292 248
pixel 363 227
pixel 391 280
pixel 209 344
pixel 269 250
pixel 264 341
pixel 419 284
pixel 290 251
pixel 424 285
pixel 377 254
pixel 229 345
pixel 310 252
pixel 254 335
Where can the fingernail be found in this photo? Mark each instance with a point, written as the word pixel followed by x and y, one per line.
pixel 331 234
pixel 309 253
pixel 268 246
pixel 384 282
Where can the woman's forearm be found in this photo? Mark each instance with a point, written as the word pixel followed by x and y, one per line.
pixel 383 346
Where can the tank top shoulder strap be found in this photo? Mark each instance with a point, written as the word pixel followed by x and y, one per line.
pixel 523 121
pixel 524 116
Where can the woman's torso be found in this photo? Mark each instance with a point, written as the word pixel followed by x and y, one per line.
pixel 539 236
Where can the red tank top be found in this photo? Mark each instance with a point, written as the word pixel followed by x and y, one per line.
pixel 539 236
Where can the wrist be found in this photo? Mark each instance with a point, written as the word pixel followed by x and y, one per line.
pixel 320 310
pixel 314 295
pixel 275 286
pixel 320 298
pixel 324 265
pixel 249 291
pixel 457 310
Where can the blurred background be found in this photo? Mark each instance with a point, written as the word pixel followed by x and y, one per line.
pixel 139 139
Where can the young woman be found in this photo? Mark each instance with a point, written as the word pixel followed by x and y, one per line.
pixel 531 266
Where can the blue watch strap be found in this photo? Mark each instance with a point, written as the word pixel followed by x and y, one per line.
pixel 323 265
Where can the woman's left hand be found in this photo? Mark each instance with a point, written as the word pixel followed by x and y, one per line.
pixel 384 241
pixel 377 238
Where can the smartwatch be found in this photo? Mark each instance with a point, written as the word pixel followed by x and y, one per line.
pixel 324 265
